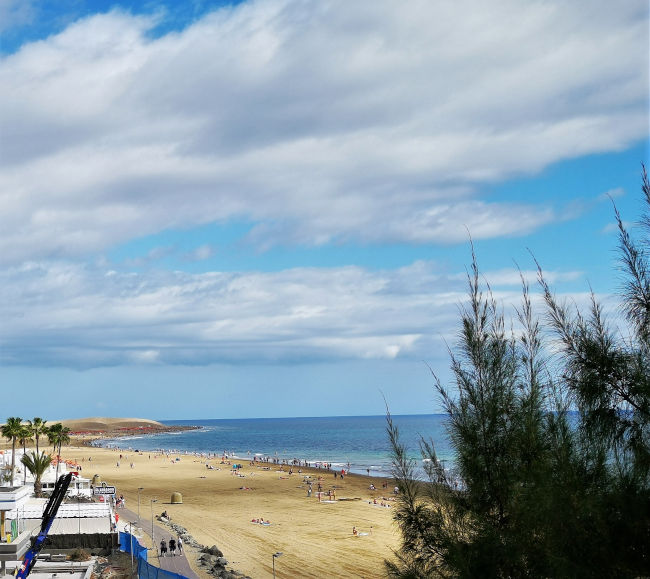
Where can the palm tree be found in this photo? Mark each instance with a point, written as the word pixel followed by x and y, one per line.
pixel 39 428
pixel 23 437
pixel 11 431
pixel 37 464
pixel 58 435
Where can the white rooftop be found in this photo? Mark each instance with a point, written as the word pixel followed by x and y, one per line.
pixel 33 509
pixel 47 570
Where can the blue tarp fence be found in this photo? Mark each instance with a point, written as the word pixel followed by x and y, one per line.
pixel 130 544
pixel 149 571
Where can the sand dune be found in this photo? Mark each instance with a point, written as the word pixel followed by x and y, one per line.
pixel 108 425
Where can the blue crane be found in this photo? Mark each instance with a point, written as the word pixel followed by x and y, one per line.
pixel 49 515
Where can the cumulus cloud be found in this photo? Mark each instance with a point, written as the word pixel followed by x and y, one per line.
pixel 317 123
pixel 321 122
pixel 63 314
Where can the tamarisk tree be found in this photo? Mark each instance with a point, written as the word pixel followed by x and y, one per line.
pixel 553 455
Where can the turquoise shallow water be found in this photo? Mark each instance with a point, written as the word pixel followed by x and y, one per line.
pixel 358 441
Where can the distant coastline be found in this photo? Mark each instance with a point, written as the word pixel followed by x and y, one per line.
pixel 358 444
pixel 85 431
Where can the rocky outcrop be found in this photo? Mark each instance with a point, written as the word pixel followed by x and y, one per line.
pixel 210 557
pixel 217 564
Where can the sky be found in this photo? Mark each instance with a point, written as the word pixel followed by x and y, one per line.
pixel 216 209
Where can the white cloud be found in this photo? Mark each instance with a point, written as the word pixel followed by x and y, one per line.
pixel 612 194
pixel 62 314
pixel 323 122
pixel 613 227
pixel 15 13
pixel 511 277
pixel 200 253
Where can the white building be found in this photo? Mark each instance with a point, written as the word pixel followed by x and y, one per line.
pixel 21 517
pixel 79 485
pixel 14 541
pixel 71 518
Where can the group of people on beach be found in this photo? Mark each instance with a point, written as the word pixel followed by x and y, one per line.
pixel 173 544
pixel 227 456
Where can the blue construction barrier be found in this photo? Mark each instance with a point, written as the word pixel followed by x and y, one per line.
pixel 130 544
pixel 149 571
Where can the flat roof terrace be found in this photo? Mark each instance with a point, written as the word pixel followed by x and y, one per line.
pixel 13 497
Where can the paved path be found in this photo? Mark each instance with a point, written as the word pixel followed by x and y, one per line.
pixel 177 564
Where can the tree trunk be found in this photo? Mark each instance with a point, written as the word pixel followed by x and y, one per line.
pixel 58 461
pixel 24 467
pixel 13 459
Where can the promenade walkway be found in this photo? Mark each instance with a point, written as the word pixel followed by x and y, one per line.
pixel 177 564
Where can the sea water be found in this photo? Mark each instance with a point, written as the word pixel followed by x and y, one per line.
pixel 359 444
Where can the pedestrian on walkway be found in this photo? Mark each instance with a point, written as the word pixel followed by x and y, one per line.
pixel 179 544
pixel 172 547
pixel 163 548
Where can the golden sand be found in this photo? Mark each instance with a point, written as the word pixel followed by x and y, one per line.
pixel 218 505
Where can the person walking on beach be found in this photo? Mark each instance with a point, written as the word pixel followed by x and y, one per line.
pixel 163 548
pixel 172 547
pixel 179 544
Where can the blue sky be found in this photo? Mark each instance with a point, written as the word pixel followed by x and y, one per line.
pixel 261 208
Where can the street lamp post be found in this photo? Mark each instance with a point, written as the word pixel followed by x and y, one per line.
pixel 275 556
pixel 139 490
pixel 153 540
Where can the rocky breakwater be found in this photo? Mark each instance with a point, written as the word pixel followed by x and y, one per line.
pixel 210 557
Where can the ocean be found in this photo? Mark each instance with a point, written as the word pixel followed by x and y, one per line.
pixel 357 443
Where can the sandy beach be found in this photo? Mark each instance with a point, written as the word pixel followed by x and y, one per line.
pixel 219 504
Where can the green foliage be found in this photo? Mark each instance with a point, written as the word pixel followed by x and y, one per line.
pixel 12 430
pixel 58 435
pixel 37 464
pixel 543 492
pixel 24 435
pixel 39 428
